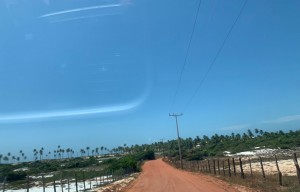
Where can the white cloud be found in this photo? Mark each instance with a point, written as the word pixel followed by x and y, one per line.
pixel 283 119
pixel 80 9
pixel 235 127
pixel 68 113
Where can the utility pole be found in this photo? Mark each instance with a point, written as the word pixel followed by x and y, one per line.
pixel 178 138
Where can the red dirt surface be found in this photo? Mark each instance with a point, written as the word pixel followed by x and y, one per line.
pixel 159 176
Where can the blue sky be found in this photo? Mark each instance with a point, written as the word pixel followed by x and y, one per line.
pixel 104 73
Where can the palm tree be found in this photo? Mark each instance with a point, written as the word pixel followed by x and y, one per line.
pixel 124 150
pixel 34 153
pixel 8 155
pixel 88 153
pixel 97 150
pixel 1 156
pixel 250 134
pixel 58 151
pixel 13 158
pixel 261 132
pixel 82 151
pixel 101 148
pixel 62 152
pixel 23 154
pixel 68 152
pixel 41 153
pixel 6 159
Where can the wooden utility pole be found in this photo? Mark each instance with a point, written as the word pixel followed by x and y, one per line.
pixel 178 138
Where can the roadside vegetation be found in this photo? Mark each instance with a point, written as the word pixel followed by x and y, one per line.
pixel 16 175
pixel 123 159
pixel 200 148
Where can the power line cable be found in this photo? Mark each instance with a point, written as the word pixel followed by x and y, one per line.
pixel 216 56
pixel 186 56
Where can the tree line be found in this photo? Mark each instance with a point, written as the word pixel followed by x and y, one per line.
pixel 193 148
pixel 201 147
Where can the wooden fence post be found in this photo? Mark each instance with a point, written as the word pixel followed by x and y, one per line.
pixel 96 179
pixel 68 184
pixel 241 167
pixel 229 171
pixel 297 167
pixel 90 183
pixel 223 165
pixel 83 180
pixel 43 180
pixel 262 167
pixel 76 184
pixel 219 166
pixel 279 172
pixel 214 163
pixel 208 166
pixel 27 183
pixel 233 165
pixel 4 181
pixel 54 187
pixel 198 166
pixel 250 166
pixel 61 182
pixel 193 166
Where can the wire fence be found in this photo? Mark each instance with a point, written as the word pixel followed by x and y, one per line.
pixel 246 167
pixel 70 181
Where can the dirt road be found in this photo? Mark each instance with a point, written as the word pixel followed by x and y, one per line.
pixel 159 176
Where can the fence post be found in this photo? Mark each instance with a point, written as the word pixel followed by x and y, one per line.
pixel 97 179
pixel 214 163
pixel 297 166
pixel 83 180
pixel 208 166
pixel 219 166
pixel 43 180
pixel 198 165
pixel 279 172
pixel 262 167
pixel 68 184
pixel 76 184
pixel 90 183
pixel 241 167
pixel 27 183
pixel 229 171
pixel 233 165
pixel 223 165
pixel 61 182
pixel 54 187
pixel 4 184
pixel 250 166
